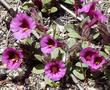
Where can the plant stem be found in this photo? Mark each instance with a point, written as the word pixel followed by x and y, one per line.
pixel 82 69
pixel 5 4
pixel 76 82
pixel 71 12
pixel 35 34
pixel 9 9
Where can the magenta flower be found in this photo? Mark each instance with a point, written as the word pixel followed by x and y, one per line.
pixel 92 58
pixel 22 26
pixel 89 9
pixel 97 62
pixel 87 54
pixel 12 58
pixel 48 44
pixel 55 70
pixel 98 15
pixel 82 0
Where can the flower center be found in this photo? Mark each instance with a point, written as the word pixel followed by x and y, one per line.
pixel 13 56
pixel 25 29
pixel 98 60
pixel 25 25
pixel 51 43
pixel 88 55
pixel 54 69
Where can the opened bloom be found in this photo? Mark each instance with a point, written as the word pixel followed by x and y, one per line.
pixel 22 26
pixel 48 44
pixel 12 58
pixel 87 54
pixel 92 58
pixel 97 62
pixel 90 10
pixel 55 70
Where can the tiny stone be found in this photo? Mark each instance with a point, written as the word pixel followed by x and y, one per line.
pixel 91 88
pixel 109 10
pixel 1 50
pixel 43 85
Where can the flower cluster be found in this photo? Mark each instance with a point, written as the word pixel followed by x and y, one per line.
pixel 57 47
pixel 90 10
pixel 91 57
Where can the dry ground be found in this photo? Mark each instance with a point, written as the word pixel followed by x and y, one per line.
pixel 33 82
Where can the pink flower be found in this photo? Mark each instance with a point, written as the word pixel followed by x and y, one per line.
pixel 82 0
pixel 89 9
pixel 12 58
pixel 22 26
pixel 98 15
pixel 92 58
pixel 48 44
pixel 97 62
pixel 55 70
pixel 87 54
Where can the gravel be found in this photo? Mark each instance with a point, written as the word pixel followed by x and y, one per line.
pixel 12 80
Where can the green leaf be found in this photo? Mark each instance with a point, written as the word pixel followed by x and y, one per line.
pixel 48 81
pixel 62 51
pixel 55 53
pixel 56 36
pixel 78 74
pixel 55 84
pixel 69 1
pixel 44 10
pixel 51 83
pixel 96 35
pixel 37 45
pixel 72 33
pixel 77 54
pixel 69 27
pixel 17 0
pixel 26 5
pixel 53 10
pixel 71 42
pixel 39 69
pixel 79 64
pixel 103 54
pixel 46 1
pixel 38 57
pixel 85 44
pixel 107 49
pixel 29 41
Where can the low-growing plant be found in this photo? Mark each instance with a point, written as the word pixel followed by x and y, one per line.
pixel 74 49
